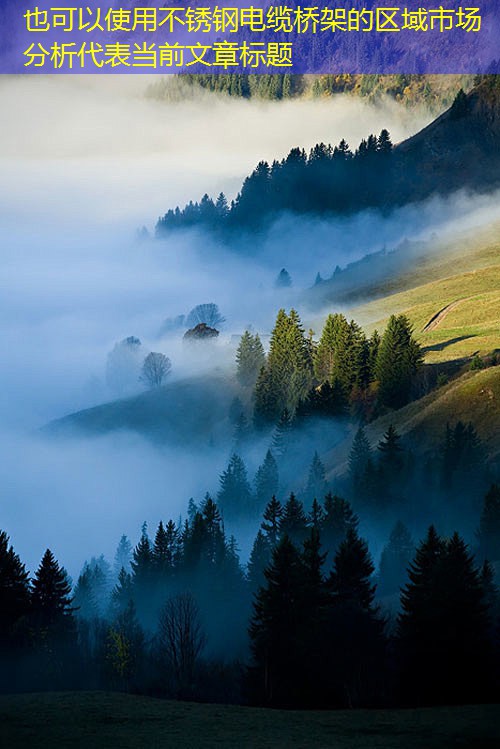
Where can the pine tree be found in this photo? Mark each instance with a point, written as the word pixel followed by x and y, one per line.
pixel 123 593
pixel 351 577
pixel 165 552
pixel 359 458
pixel 443 627
pixel 293 521
pixel 341 353
pixel 250 358
pixel 260 557
pixel 398 359
pixel 286 379
pixel 123 556
pixel 282 437
pixel 271 521
pixel 235 496
pixel 14 597
pixel 51 599
pixel 356 653
pixel 215 544
pixel 266 480
pixel 143 566
pixel 316 515
pixel 392 471
pixel 276 628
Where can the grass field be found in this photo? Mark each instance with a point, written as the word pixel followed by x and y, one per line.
pixel 99 720
pixel 470 325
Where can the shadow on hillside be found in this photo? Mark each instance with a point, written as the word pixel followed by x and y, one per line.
pixel 445 344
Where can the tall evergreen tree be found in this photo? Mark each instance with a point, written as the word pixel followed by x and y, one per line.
pixel 266 480
pixel 54 626
pixel 14 598
pixel 282 436
pixel 51 599
pixel 359 459
pixel 235 496
pixel 143 566
pixel 398 359
pixel 260 557
pixel 443 627
pixel 276 628
pixel 357 646
pixel 123 556
pixel 250 358
pixel 272 520
pixel 293 521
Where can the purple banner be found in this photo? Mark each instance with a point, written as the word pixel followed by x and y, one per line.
pixel 338 37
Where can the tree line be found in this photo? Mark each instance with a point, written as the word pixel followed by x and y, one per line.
pixel 330 179
pixel 302 624
pixel 345 371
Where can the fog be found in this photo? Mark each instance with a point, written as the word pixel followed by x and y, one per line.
pixel 85 162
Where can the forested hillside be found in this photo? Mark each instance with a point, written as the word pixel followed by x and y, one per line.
pixel 459 149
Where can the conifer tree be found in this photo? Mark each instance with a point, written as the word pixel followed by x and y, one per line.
pixel 276 629
pixel 122 593
pixel 165 551
pixel 282 437
pixel 316 515
pixel 266 480
pixel 443 627
pixel 235 496
pixel 14 597
pixel 286 379
pixel 357 645
pixel 359 458
pixel 250 358
pixel 51 599
pixel 123 556
pixel 143 565
pixel 260 557
pixel 398 359
pixel 271 521
pixel 293 521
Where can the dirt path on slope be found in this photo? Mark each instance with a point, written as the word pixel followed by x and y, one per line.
pixel 440 316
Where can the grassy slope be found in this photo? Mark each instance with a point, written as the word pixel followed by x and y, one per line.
pixel 95 720
pixel 195 406
pixel 465 271
pixel 475 396
pixel 468 269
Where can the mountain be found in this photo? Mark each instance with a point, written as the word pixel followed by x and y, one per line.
pixel 460 149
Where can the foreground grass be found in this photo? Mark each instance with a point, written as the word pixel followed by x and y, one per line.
pixel 99 719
